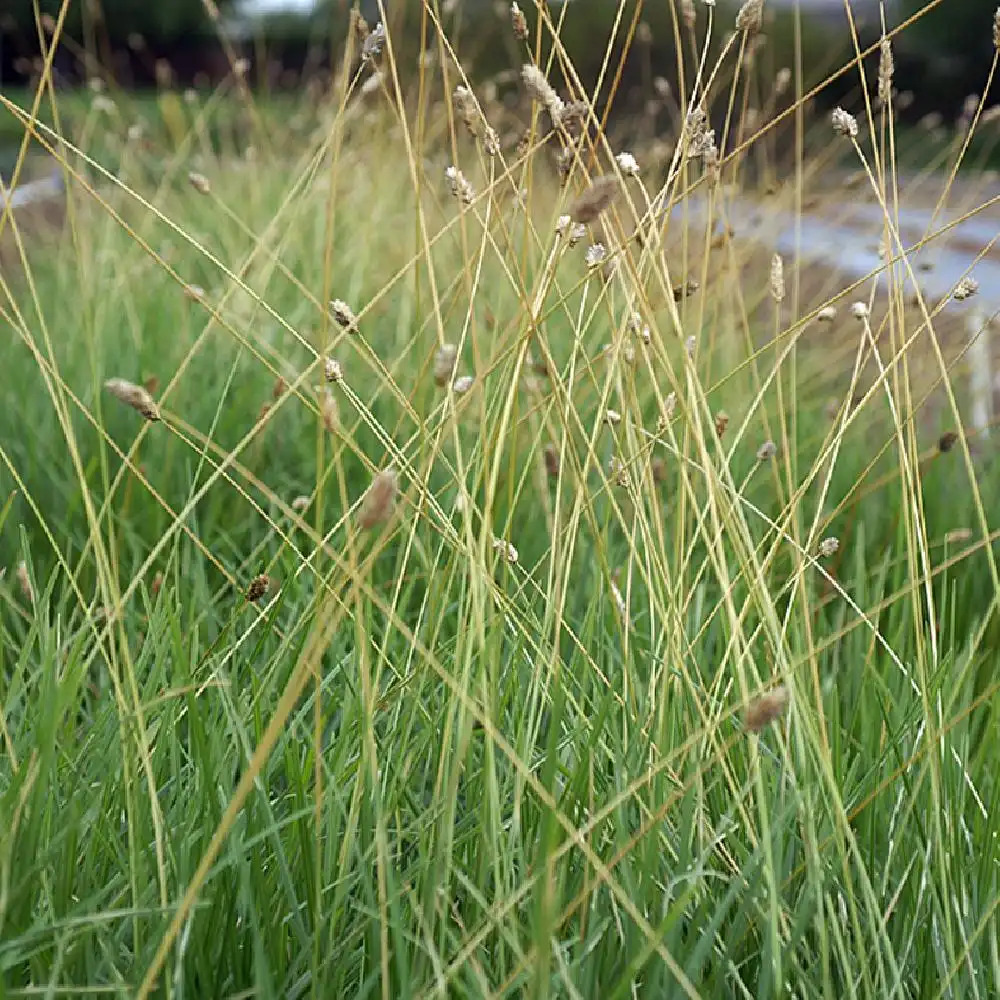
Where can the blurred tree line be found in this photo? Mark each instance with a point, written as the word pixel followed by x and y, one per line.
pixel 942 57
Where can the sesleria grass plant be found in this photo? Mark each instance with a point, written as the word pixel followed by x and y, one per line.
pixel 624 630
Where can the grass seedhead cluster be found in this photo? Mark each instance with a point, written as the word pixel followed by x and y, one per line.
pixel 565 565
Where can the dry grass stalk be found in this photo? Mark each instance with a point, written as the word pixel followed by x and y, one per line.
pixel 766 709
pixel 379 501
pixel 133 395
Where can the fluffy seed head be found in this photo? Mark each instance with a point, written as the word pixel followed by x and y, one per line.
pixel 721 422
pixel 844 123
pixel 613 418
pixel 301 503
pixel 24 582
pixel 543 92
pixel 966 288
pixel 379 501
pixel 506 549
pixel 628 164
pixel 462 384
pixel 766 709
pixel 133 395
pixel 828 547
pixel 332 370
pixel 750 16
pixel 860 310
pixel 444 364
pixel 343 314
pixel 782 81
pixel 466 108
pixel 595 200
pixel 460 187
pixel 328 410
pixel 777 278
pixel 827 314
pixel 595 255
pixel 767 451
pixel 199 182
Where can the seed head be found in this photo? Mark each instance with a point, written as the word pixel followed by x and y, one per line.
pixel 133 395
pixel 957 535
pixel 467 109
pixel 519 23
pixel 844 123
pixel 460 187
pixel 279 388
pixel 332 370
pixel 777 278
pixel 462 385
pixel 828 547
pixel 372 46
pixel 259 586
pixel 782 81
pixel 885 71
pixel 612 418
pixel 199 182
pixel 328 410
pixel 301 503
pixel 996 29
pixel 444 364
pixel 767 451
pixel 721 422
pixel 194 292
pixel 24 582
pixel 595 255
pixel 576 233
pixel 947 441
pixel 966 288
pixel 595 200
pixel 860 310
pixel 379 501
pixel 827 314
pixel 491 141
pixel 628 164
pixel 750 16
pixel 344 315
pixel 766 709
pixel 505 548
pixel 543 92
pixel 551 457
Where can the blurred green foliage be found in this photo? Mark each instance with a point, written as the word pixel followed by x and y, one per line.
pixel 156 20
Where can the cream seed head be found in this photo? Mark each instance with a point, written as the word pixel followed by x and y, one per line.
pixel 462 384
pixel 460 187
pixel 777 278
pixel 543 92
pixel 827 314
pixel 595 200
pixel 886 68
pixel 844 123
pixel 767 451
pixel 628 164
pixel 445 360
pixel 332 370
pixel 133 395
pixel 372 46
pixel 966 288
pixel 506 549
pixel 344 315
pixel 199 182
pixel 301 503
pixel 828 547
pixel 595 255
pixel 860 311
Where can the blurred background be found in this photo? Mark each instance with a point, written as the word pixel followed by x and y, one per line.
pixel 941 57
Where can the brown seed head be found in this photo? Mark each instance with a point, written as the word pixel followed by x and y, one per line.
pixel 24 582
pixel 259 586
pixel 519 23
pixel 721 422
pixel 133 395
pixel 344 314
pixel 947 441
pixel 551 456
pixel 595 200
pixel 766 709
pixel 379 501
pixel 279 388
